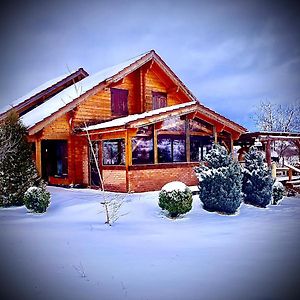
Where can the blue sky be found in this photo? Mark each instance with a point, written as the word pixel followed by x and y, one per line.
pixel 231 54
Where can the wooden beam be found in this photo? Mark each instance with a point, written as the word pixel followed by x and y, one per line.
pixel 187 140
pixel 127 157
pixel 38 156
pixel 215 134
pixel 155 129
pixel 231 146
pixel 268 152
pixel 142 90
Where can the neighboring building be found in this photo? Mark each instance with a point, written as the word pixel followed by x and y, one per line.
pixel 146 126
pixel 278 147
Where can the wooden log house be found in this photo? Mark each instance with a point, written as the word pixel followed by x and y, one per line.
pixel 146 127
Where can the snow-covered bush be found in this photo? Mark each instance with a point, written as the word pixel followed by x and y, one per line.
pixel 37 199
pixel 257 180
pixel 176 198
pixel 278 192
pixel 220 181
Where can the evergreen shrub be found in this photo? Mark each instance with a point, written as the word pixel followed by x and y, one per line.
pixel 257 179
pixel 278 192
pixel 17 169
pixel 176 198
pixel 220 181
pixel 37 199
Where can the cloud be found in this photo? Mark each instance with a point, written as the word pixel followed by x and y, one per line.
pixel 227 53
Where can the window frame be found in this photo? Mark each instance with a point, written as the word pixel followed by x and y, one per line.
pixel 172 137
pixel 121 154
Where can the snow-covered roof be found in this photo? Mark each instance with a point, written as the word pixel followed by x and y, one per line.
pixel 124 120
pixel 34 92
pixel 71 93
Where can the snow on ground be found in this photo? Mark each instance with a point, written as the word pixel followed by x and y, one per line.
pixel 68 253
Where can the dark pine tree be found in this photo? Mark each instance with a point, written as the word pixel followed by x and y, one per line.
pixel 17 169
pixel 220 181
pixel 257 179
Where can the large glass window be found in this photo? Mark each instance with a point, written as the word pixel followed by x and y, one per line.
pixel 114 152
pixel 171 148
pixel 171 141
pixel 142 146
pixel 200 145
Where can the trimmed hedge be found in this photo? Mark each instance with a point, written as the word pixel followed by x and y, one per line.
pixel 37 199
pixel 176 201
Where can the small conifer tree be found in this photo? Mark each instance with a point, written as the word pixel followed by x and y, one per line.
pixel 257 179
pixel 220 181
pixel 17 169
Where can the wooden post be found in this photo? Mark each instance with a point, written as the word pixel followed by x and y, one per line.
pixel 273 169
pixel 268 152
pixel 290 174
pixel 187 140
pixel 231 146
pixel 155 149
pixel 215 134
pixel 38 156
pixel 127 157
pixel 142 91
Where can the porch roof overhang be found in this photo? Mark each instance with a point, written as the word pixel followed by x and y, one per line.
pixel 192 109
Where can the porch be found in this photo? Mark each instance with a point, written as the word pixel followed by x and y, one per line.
pixel 143 152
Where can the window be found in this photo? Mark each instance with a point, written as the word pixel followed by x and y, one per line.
pixel 159 100
pixel 200 145
pixel 119 102
pixel 171 148
pixel 114 152
pixel 54 158
pixel 142 146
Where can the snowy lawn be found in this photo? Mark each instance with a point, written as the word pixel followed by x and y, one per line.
pixel 68 253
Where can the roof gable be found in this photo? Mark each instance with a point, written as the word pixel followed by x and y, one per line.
pixel 72 96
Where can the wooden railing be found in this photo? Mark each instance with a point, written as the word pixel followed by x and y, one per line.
pixel 287 173
pixel 291 169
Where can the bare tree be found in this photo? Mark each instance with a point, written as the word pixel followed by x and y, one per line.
pixel 278 117
pixel 112 206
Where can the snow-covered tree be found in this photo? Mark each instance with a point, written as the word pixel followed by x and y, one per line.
pixel 257 179
pixel 17 169
pixel 220 181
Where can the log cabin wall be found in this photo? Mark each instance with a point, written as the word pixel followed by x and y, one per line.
pixel 157 81
pixel 97 107
pixel 152 84
pixel 60 129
